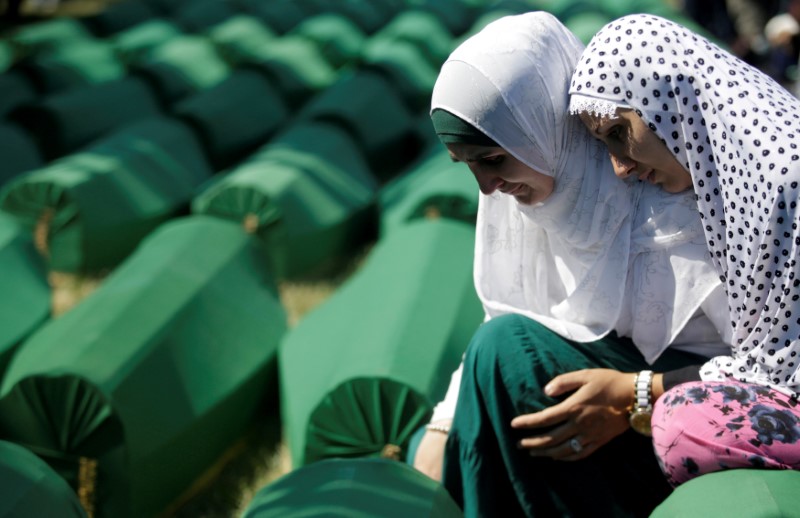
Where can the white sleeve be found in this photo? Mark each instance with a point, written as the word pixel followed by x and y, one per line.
pixel 446 408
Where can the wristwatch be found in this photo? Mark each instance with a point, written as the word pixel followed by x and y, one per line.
pixel 642 409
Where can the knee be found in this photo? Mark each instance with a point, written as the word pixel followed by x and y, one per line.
pixel 495 339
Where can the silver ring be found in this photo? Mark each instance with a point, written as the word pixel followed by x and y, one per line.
pixel 575 444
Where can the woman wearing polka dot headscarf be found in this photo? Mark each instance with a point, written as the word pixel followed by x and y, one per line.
pixel 676 110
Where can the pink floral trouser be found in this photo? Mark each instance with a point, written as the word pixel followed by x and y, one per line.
pixel 701 427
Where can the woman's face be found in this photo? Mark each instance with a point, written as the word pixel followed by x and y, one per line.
pixel 636 150
pixel 497 170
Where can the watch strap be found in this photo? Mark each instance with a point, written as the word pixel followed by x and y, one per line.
pixel 643 390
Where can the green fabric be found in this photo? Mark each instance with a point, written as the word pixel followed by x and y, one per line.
pixel 585 25
pixel 60 123
pixel 156 373
pixel 7 55
pixel 93 207
pixel 294 64
pixel 118 16
pixel 363 371
pixel 339 39
pixel 434 187
pixel 367 15
pixel 508 362
pixel 198 16
pixel 378 118
pixel 24 292
pixel 617 8
pixel 308 194
pixel 563 9
pixel 50 34
pixel 183 65
pixel 31 489
pixel 132 44
pixel 15 90
pixel 235 116
pixel 457 15
pixel 74 66
pixel 241 35
pixel 19 152
pixel 280 17
pixel 423 29
pixel 454 130
pixel 744 493
pixel 355 488
pixel 403 62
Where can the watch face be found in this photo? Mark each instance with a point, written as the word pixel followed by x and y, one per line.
pixel 640 422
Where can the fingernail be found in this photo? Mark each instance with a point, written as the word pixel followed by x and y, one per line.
pixel 548 389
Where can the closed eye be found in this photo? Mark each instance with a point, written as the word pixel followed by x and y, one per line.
pixel 492 160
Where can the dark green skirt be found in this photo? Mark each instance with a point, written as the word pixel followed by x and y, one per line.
pixel 507 364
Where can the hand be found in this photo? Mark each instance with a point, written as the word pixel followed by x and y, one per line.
pixel 429 458
pixel 593 415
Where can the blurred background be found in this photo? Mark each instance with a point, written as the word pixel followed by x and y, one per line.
pixel 236 261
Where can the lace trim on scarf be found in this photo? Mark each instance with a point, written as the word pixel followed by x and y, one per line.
pixel 601 107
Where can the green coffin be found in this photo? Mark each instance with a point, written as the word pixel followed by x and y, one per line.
pixel 339 39
pixel 406 67
pixel 182 66
pixel 118 16
pixel 24 293
pixel 60 123
pixel 356 488
pixel 367 14
pixel 134 43
pixel 74 66
pixel 423 29
pixel 90 209
pixel 308 195
pixel 585 24
pixel 19 152
pixel 378 118
pixel 147 381
pixel 293 64
pixel 279 15
pixel 235 117
pixel 436 187
pixel 16 89
pixel 617 8
pixel 240 35
pixel 51 34
pixel 7 55
pixel 740 493
pixel 457 15
pixel 362 372
pixel 31 489
pixel 199 15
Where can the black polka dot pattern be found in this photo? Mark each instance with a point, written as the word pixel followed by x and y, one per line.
pixel 737 132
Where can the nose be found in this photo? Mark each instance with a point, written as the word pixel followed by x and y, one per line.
pixel 623 166
pixel 487 182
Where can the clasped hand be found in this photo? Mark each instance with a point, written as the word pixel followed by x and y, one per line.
pixel 591 416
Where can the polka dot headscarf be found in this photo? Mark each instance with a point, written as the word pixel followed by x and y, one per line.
pixel 737 132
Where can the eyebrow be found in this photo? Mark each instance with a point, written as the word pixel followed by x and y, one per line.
pixel 603 126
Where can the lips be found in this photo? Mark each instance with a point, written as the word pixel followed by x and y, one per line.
pixel 648 176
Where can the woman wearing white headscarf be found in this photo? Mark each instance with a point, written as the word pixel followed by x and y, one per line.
pixel 570 265
pixel 676 110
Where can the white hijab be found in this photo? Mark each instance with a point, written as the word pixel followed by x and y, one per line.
pixel 585 261
pixel 737 132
